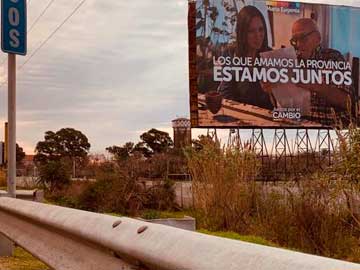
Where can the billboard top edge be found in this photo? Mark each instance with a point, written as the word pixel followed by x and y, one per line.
pixel 344 3
pixel 347 3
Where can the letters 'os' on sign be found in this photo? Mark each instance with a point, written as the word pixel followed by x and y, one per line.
pixel 13 26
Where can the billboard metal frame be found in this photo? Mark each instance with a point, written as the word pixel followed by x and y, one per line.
pixel 283 161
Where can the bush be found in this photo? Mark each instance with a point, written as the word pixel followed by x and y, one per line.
pixel 311 216
pixel 69 195
pixel 150 214
pixel 54 175
pixel 113 191
pixel 160 196
pixel 117 190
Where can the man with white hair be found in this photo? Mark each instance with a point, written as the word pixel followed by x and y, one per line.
pixel 306 39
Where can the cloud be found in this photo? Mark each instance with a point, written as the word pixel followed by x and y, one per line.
pixel 114 68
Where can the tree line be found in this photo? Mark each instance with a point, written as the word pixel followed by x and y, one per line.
pixel 60 152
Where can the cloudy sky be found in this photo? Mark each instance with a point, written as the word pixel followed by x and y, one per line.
pixel 114 70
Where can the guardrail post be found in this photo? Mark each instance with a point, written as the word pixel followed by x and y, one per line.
pixel 6 247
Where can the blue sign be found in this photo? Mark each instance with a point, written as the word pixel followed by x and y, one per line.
pixel 13 26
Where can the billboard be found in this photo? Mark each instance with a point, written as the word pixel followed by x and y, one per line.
pixel 272 64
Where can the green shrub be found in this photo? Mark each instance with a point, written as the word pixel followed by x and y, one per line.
pixel 113 192
pixel 150 214
pixel 54 175
pixel 160 196
pixel 154 214
pixel 235 236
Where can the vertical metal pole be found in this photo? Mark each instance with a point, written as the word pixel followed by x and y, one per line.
pixel 307 148
pixel 286 151
pixel 330 147
pixel 11 181
pixel 6 151
pixel 205 17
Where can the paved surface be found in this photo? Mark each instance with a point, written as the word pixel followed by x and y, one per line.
pixel 2 266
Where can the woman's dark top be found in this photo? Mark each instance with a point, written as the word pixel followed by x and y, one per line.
pixel 246 92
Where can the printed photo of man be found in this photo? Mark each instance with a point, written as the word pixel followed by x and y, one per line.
pixel 325 98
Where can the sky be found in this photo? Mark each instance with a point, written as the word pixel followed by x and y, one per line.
pixel 113 71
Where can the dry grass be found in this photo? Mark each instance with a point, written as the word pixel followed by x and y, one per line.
pixel 317 215
pixel 21 260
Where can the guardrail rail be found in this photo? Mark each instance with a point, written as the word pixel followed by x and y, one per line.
pixel 66 238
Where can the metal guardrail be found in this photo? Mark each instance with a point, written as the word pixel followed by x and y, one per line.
pixel 72 239
pixel 35 195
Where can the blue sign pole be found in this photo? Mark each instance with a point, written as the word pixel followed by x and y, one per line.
pixel 13 26
pixel 13 42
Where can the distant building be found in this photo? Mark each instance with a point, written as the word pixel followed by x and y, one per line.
pixel 182 132
pixel 28 160
pixel 27 167
pixel 2 152
pixel 97 158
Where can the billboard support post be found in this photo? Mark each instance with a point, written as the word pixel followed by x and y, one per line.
pixel 324 147
pixel 285 159
pixel 282 150
pixel 258 145
pixel 212 133
pixel 303 147
pixel 235 138
pixel 11 184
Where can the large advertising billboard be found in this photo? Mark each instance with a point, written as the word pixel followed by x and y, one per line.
pixel 273 64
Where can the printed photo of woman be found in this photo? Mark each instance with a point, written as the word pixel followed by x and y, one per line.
pixel 251 40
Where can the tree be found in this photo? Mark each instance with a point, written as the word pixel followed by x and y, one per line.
pixel 199 143
pixel 20 154
pixel 65 143
pixel 155 141
pixel 55 174
pixel 48 149
pixel 141 148
pixel 58 152
pixel 121 152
